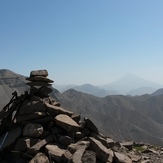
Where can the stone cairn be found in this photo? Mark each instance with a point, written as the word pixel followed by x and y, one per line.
pixel 36 129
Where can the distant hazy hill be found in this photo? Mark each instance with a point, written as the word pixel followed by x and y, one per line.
pixel 123 117
pixel 138 118
pixel 128 83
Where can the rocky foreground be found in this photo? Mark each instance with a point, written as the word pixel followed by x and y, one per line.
pixel 44 132
pixel 36 129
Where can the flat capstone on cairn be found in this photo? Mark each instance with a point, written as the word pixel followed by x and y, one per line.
pixel 39 83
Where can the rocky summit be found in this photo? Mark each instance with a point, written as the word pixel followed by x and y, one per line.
pixel 35 128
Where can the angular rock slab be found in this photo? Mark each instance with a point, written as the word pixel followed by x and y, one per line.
pixel 121 158
pixel 55 152
pixel 40 158
pixel 103 153
pixel 66 122
pixel 35 149
pixel 55 110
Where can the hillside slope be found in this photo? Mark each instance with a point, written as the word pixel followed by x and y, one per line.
pixel 137 118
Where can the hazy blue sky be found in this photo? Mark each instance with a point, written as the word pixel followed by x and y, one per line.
pixel 83 41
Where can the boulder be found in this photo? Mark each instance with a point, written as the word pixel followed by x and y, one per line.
pixel 55 152
pixel 66 122
pixel 121 158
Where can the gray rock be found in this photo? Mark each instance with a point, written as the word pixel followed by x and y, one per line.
pixel 39 73
pixel 76 118
pixel 33 130
pixel 65 140
pixel 89 157
pixel 40 158
pixel 90 125
pixel 66 122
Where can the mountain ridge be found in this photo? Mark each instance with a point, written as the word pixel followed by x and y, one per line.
pixel 138 118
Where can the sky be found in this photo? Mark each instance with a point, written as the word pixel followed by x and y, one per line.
pixel 83 41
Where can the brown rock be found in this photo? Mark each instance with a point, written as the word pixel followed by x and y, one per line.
pixel 103 153
pixel 39 73
pixel 66 122
pixel 35 149
pixel 55 152
pixel 121 158
pixel 55 110
pixel 40 158
pixel 74 147
pixel 77 156
pixel 33 130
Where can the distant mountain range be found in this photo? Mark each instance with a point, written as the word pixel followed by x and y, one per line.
pixel 137 118
pixel 127 85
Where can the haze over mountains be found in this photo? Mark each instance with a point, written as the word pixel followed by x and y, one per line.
pixel 137 118
pixel 127 85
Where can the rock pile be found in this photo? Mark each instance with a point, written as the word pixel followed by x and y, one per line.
pixel 36 129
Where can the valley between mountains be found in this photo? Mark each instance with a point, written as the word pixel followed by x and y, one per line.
pixel 135 118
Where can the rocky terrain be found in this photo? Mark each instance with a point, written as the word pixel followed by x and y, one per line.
pixel 35 128
pixel 137 119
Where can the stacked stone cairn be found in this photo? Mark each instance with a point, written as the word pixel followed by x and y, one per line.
pixel 41 131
